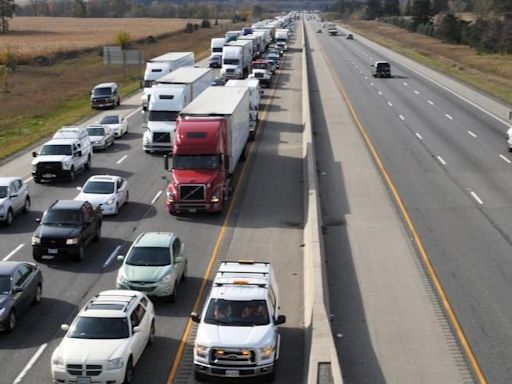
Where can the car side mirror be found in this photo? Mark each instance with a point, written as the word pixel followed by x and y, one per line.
pixel 166 162
pixel 13 195
pixel 79 188
pixel 120 258
pixel 178 259
pixel 34 154
pixel 38 220
pixel 17 290
pixel 136 330
pixel 64 327
pixel 78 154
pixel 281 319
pixel 195 317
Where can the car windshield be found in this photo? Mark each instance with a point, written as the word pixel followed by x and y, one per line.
pixel 101 92
pixel 3 191
pixel 61 217
pixel 149 256
pixel 99 187
pixel 162 116
pixel 96 131
pixel 237 313
pixel 5 284
pixel 110 120
pixel 56 150
pixel 99 328
pixel 196 162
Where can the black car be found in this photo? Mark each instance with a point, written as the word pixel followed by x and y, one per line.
pixel 66 228
pixel 219 81
pixel 21 284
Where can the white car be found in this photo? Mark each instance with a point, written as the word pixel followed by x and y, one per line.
pixel 101 136
pixel 14 198
pixel 117 123
pixel 105 340
pixel 106 191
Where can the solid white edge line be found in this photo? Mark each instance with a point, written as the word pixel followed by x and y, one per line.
pixel 504 158
pixel 441 160
pixel 13 252
pixel 401 117
pixel 121 159
pixel 372 84
pixel 133 113
pixel 28 180
pixel 431 102
pixel 111 257
pixel 31 362
pixel 418 136
pixel 472 134
pixel 475 196
pixel 448 116
pixel 156 197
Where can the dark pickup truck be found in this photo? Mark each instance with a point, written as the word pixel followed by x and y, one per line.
pixel 66 228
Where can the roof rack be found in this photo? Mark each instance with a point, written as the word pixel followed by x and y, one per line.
pixel 261 285
pixel 126 303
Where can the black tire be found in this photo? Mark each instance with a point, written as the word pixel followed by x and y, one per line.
pixel 26 207
pixel 79 256
pixel 147 151
pixel 37 180
pixel 116 212
pixel 9 218
pixel 97 236
pixel 151 338
pixel 12 320
pixel 270 377
pixel 72 174
pixel 174 295
pixel 128 373
pixel 37 256
pixel 38 295
pixel 184 276
pixel 118 101
pixel 199 376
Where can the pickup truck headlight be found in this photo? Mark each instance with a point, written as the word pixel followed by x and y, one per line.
pixel 36 240
pixel 167 278
pixel 66 165
pixel 58 361
pixel 72 241
pixel 115 363
pixel 34 167
pixel 201 351
pixel 267 351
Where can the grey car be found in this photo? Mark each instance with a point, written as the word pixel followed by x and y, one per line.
pixel 21 284
pixel 14 198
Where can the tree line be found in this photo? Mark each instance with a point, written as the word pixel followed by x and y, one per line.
pixel 490 31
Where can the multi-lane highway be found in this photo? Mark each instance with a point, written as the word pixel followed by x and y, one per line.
pixel 262 223
pixel 449 163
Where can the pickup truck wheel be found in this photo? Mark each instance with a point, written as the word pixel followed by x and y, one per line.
pixel 199 376
pixel 128 374
pixel 26 207
pixel 185 271
pixel 174 295
pixel 9 218
pixel 37 256
pixel 72 174
pixel 79 256
pixel 270 377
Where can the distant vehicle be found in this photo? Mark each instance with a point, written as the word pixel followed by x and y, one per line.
pixel 275 50
pixel 107 192
pixel 218 81
pixel 105 95
pixel 332 29
pixel 318 30
pixel 14 198
pixel 381 69
pixel 21 284
pixel 350 36
pixel 262 71
pixel 215 61
pixel 105 340
pixel 155 265
pixel 274 58
pixel 101 136
pixel 216 46
pixel 66 228
pixel 117 123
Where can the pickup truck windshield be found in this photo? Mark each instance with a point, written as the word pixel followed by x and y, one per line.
pixel 61 217
pixel 163 115
pixel 231 61
pixel 196 162
pixel 3 191
pixel 56 150
pixel 237 313
pixel 100 328
pixel 5 284
pixel 148 256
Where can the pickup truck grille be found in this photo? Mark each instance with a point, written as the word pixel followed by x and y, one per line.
pixel 192 192
pixel 259 75
pixel 233 357
pixel 81 370
pixel 161 137
pixel 51 166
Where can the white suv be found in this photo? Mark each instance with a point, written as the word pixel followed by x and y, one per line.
pixel 105 340
pixel 14 198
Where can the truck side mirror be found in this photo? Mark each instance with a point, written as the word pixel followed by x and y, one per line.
pixel 281 319
pixel 166 162
pixel 195 317
pixel 34 154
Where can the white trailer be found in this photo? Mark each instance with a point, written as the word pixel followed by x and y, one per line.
pixel 236 59
pixel 170 94
pixel 282 39
pixel 161 66
pixel 257 43
pixel 253 86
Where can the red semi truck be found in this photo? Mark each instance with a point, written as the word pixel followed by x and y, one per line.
pixel 211 137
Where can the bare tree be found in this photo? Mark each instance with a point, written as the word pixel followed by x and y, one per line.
pixel 7 8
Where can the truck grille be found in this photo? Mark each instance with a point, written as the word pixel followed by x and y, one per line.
pixel 87 370
pixel 232 357
pixel 49 167
pixel 161 137
pixel 259 75
pixel 230 70
pixel 192 192
pixel 53 243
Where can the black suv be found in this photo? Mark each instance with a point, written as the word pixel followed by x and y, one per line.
pixel 66 228
pixel 381 69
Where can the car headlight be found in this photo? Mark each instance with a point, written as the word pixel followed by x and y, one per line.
pixel 115 363
pixel 58 361
pixel 146 139
pixel 170 196
pixel 36 240
pixel 215 197
pixel 110 201
pixel 167 278
pixel 267 351
pixel 34 167
pixel 72 241
pixel 121 279
pixel 201 351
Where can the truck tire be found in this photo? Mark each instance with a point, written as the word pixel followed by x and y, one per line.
pixel 88 164
pixel 270 377
pixel 37 256
pixel 198 376
pixel 79 256
pixel 37 180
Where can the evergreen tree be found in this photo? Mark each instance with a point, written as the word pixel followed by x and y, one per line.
pixel 408 8
pixel 391 8
pixel 78 9
pixel 449 30
pixel 7 8
pixel 421 12
pixel 439 6
pixel 373 9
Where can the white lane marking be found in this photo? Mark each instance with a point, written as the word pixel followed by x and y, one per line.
pixel 380 93
pixel 441 160
pixel 419 136
pixel 112 256
pixel 405 84
pixel 472 134
pixel 371 84
pixel 475 196
pixel 133 113
pixel 366 77
pixel 389 103
pixel 13 252
pixel 121 159
pixel 416 92
pixel 504 158
pixel 156 197
pixel 431 102
pixel 30 363
pixel 356 67
pixel 27 180
pixel 448 116
pixel 401 117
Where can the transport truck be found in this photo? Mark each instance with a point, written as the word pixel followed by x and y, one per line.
pixel 161 66
pixel 211 137
pixel 170 95
pixel 258 45
pixel 238 328
pixel 236 59
pixel 262 71
pixel 232 36
pixel 253 86
pixel 265 36
pixel 216 46
pixel 332 29
pixel 282 39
